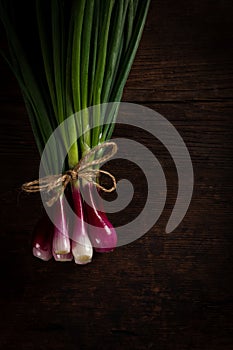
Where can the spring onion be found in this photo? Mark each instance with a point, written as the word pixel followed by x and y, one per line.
pixel 66 57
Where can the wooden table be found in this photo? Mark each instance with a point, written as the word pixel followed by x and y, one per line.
pixel 163 291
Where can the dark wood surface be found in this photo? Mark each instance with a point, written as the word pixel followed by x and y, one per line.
pixel 164 291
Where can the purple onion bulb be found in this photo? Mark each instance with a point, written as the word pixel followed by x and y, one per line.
pixel 81 246
pixel 101 232
pixel 42 239
pixel 61 240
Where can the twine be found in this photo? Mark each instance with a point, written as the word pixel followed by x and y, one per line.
pixel 81 170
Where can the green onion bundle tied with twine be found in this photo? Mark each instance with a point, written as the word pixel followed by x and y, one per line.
pixel 68 55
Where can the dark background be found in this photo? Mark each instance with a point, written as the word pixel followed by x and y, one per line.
pixel 164 291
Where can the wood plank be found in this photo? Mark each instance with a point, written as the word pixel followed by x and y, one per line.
pixel 186 53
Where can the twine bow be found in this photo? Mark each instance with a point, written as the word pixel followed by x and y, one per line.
pixel 81 170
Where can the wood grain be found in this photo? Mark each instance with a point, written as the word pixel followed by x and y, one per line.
pixel 163 291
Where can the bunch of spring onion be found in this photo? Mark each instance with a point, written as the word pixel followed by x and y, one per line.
pixel 68 55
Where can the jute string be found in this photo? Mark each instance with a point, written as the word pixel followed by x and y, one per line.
pixel 58 183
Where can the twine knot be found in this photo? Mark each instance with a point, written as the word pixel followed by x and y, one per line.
pixel 84 169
